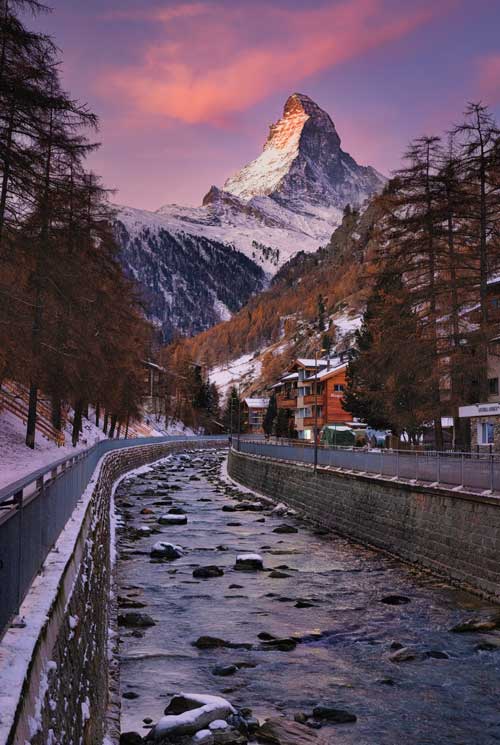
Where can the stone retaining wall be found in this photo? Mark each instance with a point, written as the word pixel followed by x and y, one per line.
pixel 454 534
pixel 72 683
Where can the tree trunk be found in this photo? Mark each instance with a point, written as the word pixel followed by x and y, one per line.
pixel 105 422
pixel 55 412
pixel 31 423
pixel 97 414
pixel 118 430
pixel 126 426
pixel 111 432
pixel 77 422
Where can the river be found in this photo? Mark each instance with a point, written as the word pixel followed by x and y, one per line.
pixel 335 597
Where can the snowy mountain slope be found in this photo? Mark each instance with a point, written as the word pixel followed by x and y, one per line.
pixel 289 199
pixel 189 283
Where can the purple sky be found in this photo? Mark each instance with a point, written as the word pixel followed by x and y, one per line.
pixel 185 91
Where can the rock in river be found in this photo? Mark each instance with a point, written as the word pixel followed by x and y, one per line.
pixel 249 562
pixel 284 529
pixel 331 713
pixel 283 732
pixel 137 620
pixel 395 600
pixel 173 519
pixel 207 572
pixel 131 738
pixel 162 550
pixel 188 713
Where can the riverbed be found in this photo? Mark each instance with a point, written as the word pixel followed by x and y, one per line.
pixel 373 634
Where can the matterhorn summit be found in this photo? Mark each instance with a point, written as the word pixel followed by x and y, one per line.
pixel 289 199
pixel 302 160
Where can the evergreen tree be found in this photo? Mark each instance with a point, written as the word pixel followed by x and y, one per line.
pixel 230 416
pixel 321 313
pixel 281 425
pixel 389 376
pixel 270 415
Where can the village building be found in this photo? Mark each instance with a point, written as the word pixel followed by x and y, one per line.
pixel 312 393
pixel 255 409
pixel 485 416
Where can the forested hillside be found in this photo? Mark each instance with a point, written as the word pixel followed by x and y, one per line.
pixel 300 307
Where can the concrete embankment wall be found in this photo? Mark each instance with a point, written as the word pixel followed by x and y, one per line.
pixel 70 692
pixel 454 534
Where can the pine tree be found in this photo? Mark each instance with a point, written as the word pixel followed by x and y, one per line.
pixel 321 313
pixel 270 415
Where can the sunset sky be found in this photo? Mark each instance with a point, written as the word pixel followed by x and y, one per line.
pixel 186 91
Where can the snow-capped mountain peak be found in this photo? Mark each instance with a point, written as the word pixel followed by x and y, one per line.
pixel 302 160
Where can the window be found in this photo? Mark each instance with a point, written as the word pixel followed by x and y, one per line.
pixel 495 303
pixel 493 386
pixel 338 387
pixel 486 433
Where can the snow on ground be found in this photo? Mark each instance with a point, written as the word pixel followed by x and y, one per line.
pixel 169 427
pixel 347 324
pixel 16 460
pixel 243 370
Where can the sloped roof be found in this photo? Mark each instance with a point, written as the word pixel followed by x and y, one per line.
pixel 257 403
pixel 323 374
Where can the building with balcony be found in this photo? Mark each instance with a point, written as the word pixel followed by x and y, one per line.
pixel 313 391
pixel 256 410
pixel 485 417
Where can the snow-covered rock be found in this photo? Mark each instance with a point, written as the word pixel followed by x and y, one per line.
pixel 163 550
pixel 249 562
pixel 195 712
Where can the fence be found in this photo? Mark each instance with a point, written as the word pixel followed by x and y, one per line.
pixel 479 472
pixel 35 509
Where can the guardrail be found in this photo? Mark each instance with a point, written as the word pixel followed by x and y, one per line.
pixel 475 471
pixel 35 509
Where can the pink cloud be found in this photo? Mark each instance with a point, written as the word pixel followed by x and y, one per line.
pixel 214 62
pixel 489 77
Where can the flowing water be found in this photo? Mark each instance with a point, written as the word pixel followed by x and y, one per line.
pixel 331 600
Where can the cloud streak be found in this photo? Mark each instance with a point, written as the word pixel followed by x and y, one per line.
pixel 213 62
pixel 489 77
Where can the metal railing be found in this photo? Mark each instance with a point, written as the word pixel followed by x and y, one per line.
pixel 474 471
pixel 35 509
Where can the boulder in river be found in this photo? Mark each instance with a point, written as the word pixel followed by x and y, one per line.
pixel 249 562
pixel 163 550
pixel 332 714
pixel 284 529
pixel 250 506
pixel 188 713
pixel 395 600
pixel 280 645
pixel 284 732
pixel 173 519
pixel 405 654
pixel 135 620
pixel 213 642
pixel 224 670
pixel 476 625
pixel 131 738
pixel 207 572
